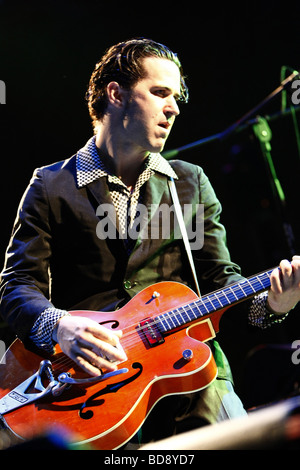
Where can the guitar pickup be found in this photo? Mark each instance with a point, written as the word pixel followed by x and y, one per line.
pixel 151 332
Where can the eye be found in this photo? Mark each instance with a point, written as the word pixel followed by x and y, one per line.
pixel 160 92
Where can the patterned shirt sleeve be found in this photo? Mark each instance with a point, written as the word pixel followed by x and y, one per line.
pixel 260 315
pixel 41 332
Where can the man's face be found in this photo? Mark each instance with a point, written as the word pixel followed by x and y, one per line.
pixel 151 107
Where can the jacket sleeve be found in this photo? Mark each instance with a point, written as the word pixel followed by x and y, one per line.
pixel 25 283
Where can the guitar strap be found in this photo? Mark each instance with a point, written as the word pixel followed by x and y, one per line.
pixel 182 227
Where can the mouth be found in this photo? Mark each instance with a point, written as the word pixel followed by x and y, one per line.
pixel 165 125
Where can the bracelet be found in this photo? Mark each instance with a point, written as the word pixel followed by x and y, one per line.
pixel 275 317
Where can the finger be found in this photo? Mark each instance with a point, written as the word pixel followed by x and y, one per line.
pixel 105 334
pixel 102 348
pixel 96 360
pixel 296 269
pixel 286 273
pixel 104 341
pixel 87 367
pixel 275 280
pixel 88 361
pixel 84 364
pixel 106 350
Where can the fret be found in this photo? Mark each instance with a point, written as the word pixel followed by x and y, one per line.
pixel 262 281
pixel 247 288
pixel 173 319
pixel 258 285
pixel 243 291
pixel 184 315
pixel 227 299
pixel 265 278
pixel 222 299
pixel 168 321
pixel 212 302
pixel 179 317
pixel 161 323
pixel 230 295
pixel 208 305
pixel 215 301
pixel 238 291
pixel 189 312
pixel 201 307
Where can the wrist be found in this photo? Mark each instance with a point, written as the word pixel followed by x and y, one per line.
pixel 54 332
pixel 56 327
pixel 273 310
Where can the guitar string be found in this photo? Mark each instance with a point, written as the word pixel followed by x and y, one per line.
pixel 204 302
pixel 131 338
pixel 135 328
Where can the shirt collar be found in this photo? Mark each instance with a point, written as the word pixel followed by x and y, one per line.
pixel 90 167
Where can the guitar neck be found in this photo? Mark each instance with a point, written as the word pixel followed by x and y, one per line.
pixel 213 302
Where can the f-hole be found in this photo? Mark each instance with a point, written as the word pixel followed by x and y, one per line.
pixel 114 325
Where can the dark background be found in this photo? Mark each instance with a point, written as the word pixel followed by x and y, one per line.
pixel 232 56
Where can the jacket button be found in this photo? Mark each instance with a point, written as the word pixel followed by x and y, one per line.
pixel 127 284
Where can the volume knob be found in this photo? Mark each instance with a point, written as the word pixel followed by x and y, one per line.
pixel 187 354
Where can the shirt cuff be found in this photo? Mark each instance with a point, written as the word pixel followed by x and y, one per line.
pixel 260 315
pixel 41 332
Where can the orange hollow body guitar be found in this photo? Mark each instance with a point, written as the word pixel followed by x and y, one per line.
pixel 165 328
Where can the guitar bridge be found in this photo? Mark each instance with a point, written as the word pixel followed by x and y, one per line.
pixel 151 332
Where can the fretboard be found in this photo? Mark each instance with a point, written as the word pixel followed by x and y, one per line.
pixel 210 303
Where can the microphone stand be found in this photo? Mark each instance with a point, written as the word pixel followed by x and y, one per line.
pixel 227 132
pixel 263 133
pixel 283 70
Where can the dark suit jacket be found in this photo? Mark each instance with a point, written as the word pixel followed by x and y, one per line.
pixel 55 257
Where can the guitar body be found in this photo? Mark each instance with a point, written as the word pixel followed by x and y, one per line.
pixel 107 414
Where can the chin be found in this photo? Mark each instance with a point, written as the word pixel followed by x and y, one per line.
pixel 158 147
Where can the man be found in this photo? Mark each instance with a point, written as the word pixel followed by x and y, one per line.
pixel 56 262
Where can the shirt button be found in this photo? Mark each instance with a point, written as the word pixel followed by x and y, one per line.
pixel 127 284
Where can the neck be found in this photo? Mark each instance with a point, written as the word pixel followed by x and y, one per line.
pixel 122 159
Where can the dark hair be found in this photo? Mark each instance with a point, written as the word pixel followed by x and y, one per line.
pixel 122 63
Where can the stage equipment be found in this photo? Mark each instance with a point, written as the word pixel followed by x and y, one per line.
pixel 263 132
pixel 276 426
pixel 235 126
pixel 283 71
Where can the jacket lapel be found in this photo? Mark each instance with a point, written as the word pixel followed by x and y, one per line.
pixel 100 192
pixel 156 187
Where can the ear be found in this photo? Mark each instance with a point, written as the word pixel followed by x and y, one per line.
pixel 115 94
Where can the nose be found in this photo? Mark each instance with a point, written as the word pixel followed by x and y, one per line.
pixel 172 108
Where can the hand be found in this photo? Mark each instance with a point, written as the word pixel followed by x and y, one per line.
pixel 88 344
pixel 284 293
